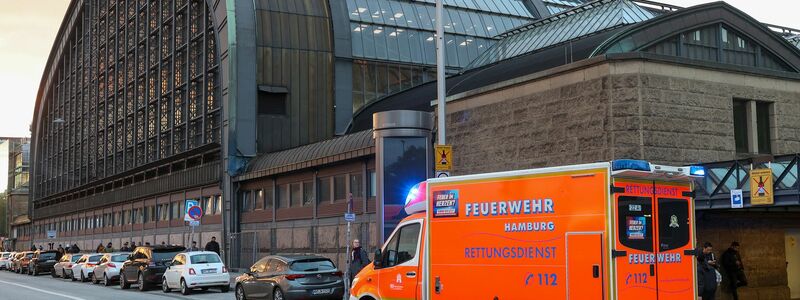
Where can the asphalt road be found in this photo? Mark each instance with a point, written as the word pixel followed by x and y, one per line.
pixel 23 287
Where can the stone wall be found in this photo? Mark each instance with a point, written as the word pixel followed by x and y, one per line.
pixel 663 113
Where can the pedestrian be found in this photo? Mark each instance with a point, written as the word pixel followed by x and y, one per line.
pixel 213 246
pixel 61 249
pixel 133 246
pixel 125 247
pixel 100 248
pixel 706 273
pixel 41 248
pixel 734 269
pixel 74 249
pixel 163 243
pixel 147 244
pixel 194 247
pixel 358 259
pixel 109 248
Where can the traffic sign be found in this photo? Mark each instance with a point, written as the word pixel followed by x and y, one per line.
pixel 761 187
pixel 194 223
pixel 188 205
pixel 51 234
pixel 442 174
pixel 350 217
pixel 195 212
pixel 444 157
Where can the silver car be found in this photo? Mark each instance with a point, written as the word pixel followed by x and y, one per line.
pixel 107 269
pixel 61 269
pixel 300 276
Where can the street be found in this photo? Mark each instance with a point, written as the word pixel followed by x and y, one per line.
pixel 16 286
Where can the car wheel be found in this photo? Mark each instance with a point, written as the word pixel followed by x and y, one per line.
pixel 277 294
pixel 240 293
pixel 164 286
pixel 83 277
pixel 142 284
pixel 35 272
pixel 106 281
pixel 53 273
pixel 123 282
pixel 94 280
pixel 72 276
pixel 185 290
pixel 225 288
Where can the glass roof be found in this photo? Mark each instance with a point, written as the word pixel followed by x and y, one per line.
pixel 568 25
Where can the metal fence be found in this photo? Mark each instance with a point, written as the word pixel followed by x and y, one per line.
pixel 714 190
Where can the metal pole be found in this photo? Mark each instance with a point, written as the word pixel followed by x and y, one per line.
pixel 347 251
pixel 440 83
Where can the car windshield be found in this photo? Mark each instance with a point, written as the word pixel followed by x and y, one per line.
pixel 75 258
pixel 164 255
pixel 29 255
pixel 95 258
pixel 311 265
pixel 47 256
pixel 119 258
pixel 205 259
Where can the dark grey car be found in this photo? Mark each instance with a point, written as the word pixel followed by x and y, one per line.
pixel 298 276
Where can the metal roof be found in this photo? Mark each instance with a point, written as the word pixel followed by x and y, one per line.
pixel 330 151
pixel 568 25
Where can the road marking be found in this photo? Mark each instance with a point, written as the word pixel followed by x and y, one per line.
pixel 41 291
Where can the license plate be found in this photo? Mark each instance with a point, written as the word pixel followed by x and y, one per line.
pixel 209 271
pixel 321 292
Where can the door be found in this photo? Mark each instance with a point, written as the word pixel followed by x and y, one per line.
pixel 175 271
pixel 250 284
pixel 399 271
pixel 585 266
pixel 674 232
pixel 633 254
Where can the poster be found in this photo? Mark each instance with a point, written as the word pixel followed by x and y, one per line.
pixel 637 228
pixel 736 199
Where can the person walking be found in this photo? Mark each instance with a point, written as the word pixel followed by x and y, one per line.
pixel 358 259
pixel 213 246
pixel 125 247
pixel 194 247
pixel 734 269
pixel 706 274
pixel 109 248
pixel 100 248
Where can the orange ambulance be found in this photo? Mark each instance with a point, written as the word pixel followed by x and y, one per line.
pixel 615 230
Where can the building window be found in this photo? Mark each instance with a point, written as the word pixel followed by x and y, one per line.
pixel 751 126
pixel 245 201
pixel 218 204
pixel 269 198
pixel 373 183
pixel 296 195
pixel 283 196
pixel 259 200
pixel 340 187
pixel 308 193
pixel 324 189
pixel 272 101
pixel 356 187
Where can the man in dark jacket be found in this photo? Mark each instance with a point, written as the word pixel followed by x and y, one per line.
pixel 734 269
pixel 74 249
pixel 213 245
pixel 706 274
pixel 358 259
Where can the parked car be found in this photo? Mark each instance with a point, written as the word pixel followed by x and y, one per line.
pixel 21 263
pixel 43 262
pixel 146 265
pixel 191 270
pixel 12 263
pixel 107 268
pixel 66 262
pixel 83 268
pixel 300 276
pixel 5 260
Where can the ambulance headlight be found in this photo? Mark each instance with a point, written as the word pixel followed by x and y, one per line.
pixel 698 171
pixel 413 193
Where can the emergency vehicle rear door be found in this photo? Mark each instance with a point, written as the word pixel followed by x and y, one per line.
pixel 674 232
pixel 634 253
pixel 585 265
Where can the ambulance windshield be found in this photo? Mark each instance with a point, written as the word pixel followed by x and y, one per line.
pixel 673 223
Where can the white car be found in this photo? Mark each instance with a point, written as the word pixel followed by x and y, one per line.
pixel 61 269
pixel 5 260
pixel 107 269
pixel 83 268
pixel 191 270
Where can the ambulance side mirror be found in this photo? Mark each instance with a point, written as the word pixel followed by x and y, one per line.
pixel 377 261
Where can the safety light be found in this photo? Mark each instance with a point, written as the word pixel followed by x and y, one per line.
pixel 415 200
pixel 698 171
pixel 630 164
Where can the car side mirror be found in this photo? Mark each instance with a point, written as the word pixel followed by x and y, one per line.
pixel 377 261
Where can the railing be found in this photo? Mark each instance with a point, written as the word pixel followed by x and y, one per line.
pixel 714 190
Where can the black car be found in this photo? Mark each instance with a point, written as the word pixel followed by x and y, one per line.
pixel 146 265
pixel 43 262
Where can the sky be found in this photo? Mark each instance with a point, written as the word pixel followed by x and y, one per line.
pixel 27 32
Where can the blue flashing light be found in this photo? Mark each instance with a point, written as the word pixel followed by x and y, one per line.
pixel 630 164
pixel 698 171
pixel 412 193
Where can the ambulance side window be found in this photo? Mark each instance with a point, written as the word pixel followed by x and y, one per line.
pixel 402 247
pixel 673 223
pixel 635 222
